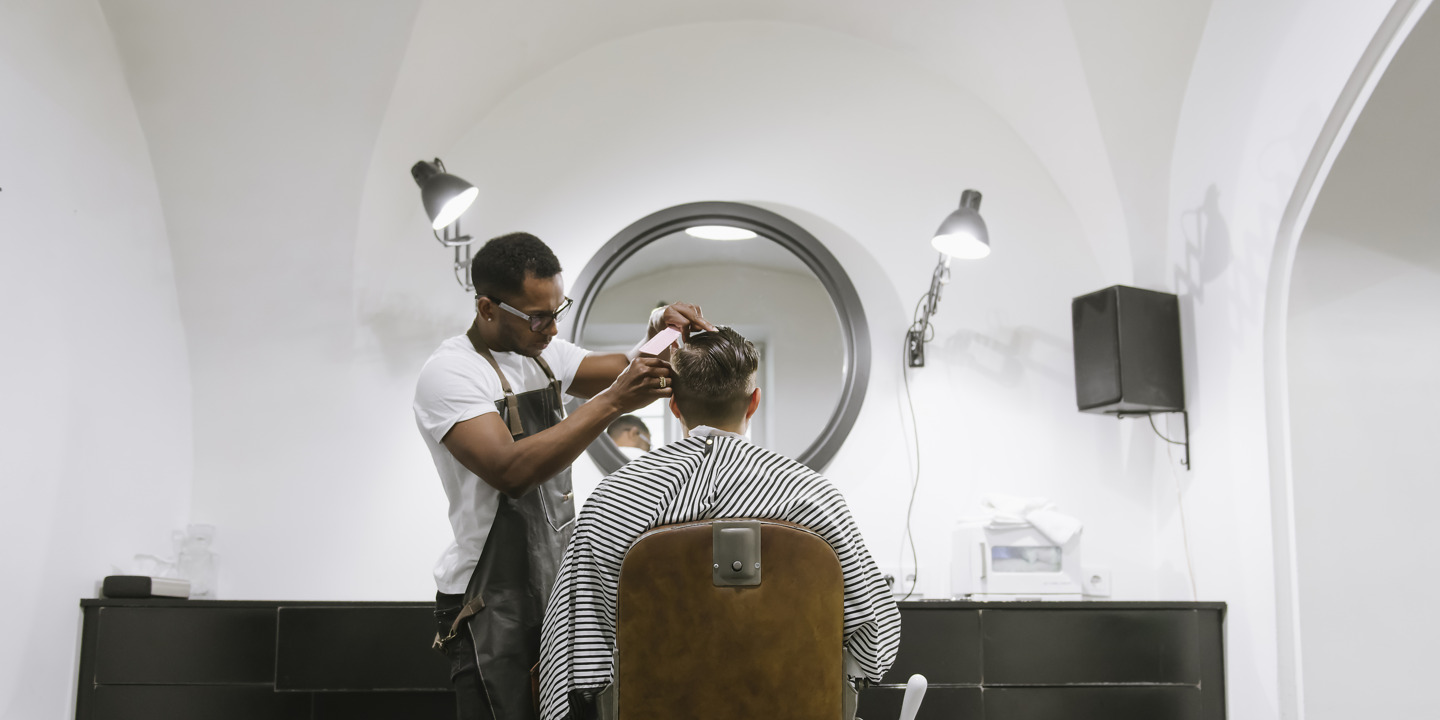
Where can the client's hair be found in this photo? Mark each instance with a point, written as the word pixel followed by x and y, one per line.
pixel 626 422
pixel 713 376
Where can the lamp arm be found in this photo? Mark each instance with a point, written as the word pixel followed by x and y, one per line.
pixel 915 336
pixel 450 237
pixel 462 267
pixel 938 279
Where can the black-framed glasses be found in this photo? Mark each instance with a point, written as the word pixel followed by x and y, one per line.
pixel 539 321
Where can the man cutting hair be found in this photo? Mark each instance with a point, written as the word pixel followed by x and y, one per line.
pixel 490 407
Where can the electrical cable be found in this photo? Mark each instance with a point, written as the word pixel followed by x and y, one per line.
pixel 915 322
pixel 1157 432
pixel 1180 508
pixel 927 331
pixel 915 484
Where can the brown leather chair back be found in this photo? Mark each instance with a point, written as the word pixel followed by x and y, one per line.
pixel 689 648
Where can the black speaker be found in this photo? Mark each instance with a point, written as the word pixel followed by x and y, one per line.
pixel 1127 351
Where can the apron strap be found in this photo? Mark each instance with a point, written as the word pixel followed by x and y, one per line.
pixel 555 384
pixel 512 406
pixel 474 606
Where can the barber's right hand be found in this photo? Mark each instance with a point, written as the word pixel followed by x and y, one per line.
pixel 644 380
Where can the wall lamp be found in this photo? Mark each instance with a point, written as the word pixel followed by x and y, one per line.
pixel 962 235
pixel 446 198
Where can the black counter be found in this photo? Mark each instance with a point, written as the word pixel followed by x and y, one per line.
pixel 321 660
pixel 1072 660
pixel 256 659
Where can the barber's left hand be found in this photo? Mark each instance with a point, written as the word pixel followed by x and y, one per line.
pixel 684 316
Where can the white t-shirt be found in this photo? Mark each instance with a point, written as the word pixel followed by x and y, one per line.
pixel 455 385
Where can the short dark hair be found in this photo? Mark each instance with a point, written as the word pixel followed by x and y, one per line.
pixel 502 263
pixel 627 422
pixel 713 376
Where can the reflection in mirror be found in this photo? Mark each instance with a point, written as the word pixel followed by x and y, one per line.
pixel 768 277
pixel 759 288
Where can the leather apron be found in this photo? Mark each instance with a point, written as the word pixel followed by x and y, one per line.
pixel 517 568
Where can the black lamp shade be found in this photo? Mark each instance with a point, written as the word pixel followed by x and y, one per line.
pixel 445 196
pixel 963 234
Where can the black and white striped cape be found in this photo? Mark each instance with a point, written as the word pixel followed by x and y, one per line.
pixel 685 481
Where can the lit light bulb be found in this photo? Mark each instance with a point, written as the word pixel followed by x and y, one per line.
pixel 719 232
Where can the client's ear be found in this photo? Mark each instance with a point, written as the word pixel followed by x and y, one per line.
pixel 675 410
pixel 754 403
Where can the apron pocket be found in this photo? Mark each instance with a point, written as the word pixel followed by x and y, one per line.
pixel 558 500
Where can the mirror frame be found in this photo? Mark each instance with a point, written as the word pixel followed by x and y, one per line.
pixel 854 329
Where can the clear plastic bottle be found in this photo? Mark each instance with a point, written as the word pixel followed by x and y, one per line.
pixel 197 561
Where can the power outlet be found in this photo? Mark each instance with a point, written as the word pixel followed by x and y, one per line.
pixel 1097 582
pixel 901 581
pixel 915 347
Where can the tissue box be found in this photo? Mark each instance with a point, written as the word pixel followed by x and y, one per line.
pixel 144 586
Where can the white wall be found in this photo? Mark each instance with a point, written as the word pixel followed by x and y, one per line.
pixel 1363 390
pixel 95 439
pixel 1364 346
pixel 312 292
pixel 868 151
pixel 1264 80
pixel 261 182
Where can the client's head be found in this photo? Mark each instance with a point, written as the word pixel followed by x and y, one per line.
pixel 630 431
pixel 715 380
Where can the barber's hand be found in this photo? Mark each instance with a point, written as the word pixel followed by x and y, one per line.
pixel 644 380
pixel 683 316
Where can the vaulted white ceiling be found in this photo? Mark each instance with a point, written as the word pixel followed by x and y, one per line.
pixel 1376 217
pixel 1094 88
pixel 309 107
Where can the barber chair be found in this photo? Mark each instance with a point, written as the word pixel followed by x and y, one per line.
pixel 732 619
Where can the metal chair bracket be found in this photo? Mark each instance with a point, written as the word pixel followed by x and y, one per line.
pixel 735 553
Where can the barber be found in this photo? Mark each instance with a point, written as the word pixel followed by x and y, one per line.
pixel 489 406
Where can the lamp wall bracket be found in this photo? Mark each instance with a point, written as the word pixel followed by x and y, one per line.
pixel 452 238
pixel 915 337
pixel 915 347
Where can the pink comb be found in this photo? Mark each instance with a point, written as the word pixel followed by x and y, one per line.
pixel 662 340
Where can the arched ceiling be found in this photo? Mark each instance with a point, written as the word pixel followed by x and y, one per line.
pixel 1376 216
pixel 276 127
pixel 1094 88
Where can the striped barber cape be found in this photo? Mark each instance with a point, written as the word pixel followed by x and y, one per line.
pixel 712 474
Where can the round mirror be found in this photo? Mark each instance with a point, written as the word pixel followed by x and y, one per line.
pixel 759 273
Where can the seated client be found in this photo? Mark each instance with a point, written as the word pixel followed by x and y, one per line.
pixel 631 435
pixel 714 473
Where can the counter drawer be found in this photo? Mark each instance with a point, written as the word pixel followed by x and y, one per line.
pixel 180 646
pixel 940 703
pixel 943 645
pixel 1099 703
pixel 197 702
pixel 1055 647
pixel 358 648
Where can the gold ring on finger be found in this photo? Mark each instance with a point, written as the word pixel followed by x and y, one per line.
pixel 663 382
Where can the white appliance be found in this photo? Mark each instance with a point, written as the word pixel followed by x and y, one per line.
pixel 1014 563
